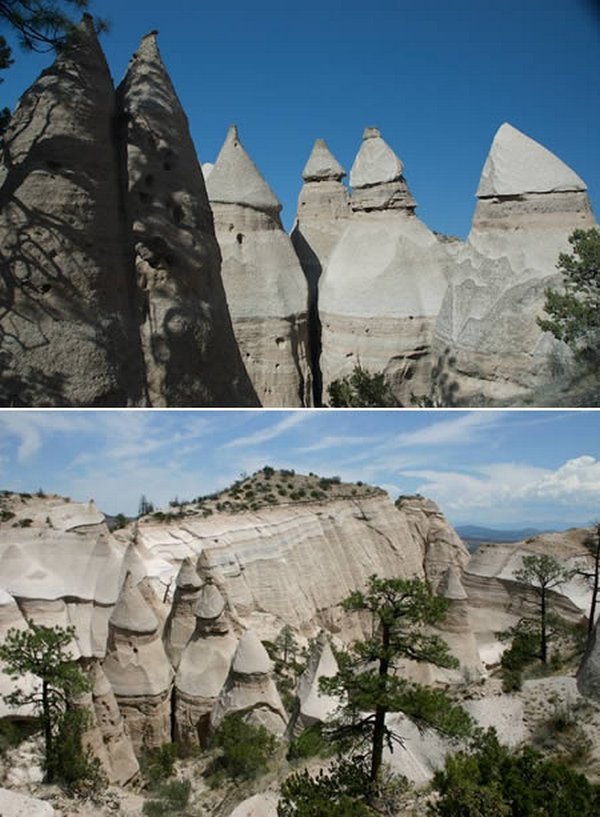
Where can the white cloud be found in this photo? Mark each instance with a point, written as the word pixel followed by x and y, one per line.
pixel 266 434
pixel 29 428
pixel 578 481
pixel 457 430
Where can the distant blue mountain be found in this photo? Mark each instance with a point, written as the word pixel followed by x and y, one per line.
pixel 475 533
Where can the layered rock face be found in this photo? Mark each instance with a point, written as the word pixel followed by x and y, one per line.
pixel 384 284
pixel 190 354
pixel 441 546
pixel 294 563
pixel 487 343
pixel 67 328
pixel 323 210
pixel 266 290
pixel 457 628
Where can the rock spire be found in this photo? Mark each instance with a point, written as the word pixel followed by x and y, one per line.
pixel 265 287
pixel 189 349
pixel 384 282
pixel 488 346
pixel 67 329
pixel 321 217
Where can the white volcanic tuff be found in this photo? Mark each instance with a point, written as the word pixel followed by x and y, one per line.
pixel 259 805
pixel 375 163
pixel 33 571
pixel 250 688
pixel 189 348
pixel 13 804
pixel 517 164
pixel 442 547
pixel 379 297
pixel 487 342
pixel 68 328
pixel 266 290
pixel 296 562
pixel 322 164
pixel 315 705
pixel 235 179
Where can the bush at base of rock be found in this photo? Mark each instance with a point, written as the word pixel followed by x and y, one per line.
pixel 158 764
pixel 310 743
pixel 170 799
pixel 245 750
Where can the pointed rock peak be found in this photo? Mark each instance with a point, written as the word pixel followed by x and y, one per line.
pixel 207 169
pixel 251 658
pixel 517 164
pixel 451 586
pixel 375 163
pixel 148 48
pixel 322 165
pixel 210 604
pixel 132 612
pixel 188 577
pixel 235 179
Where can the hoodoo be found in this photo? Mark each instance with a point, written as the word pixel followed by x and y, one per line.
pixel 67 333
pixel 190 352
pixel 488 345
pixel 266 290
pixel 385 280
pixel 323 210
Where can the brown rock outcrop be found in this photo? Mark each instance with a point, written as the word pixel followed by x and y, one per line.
pixel 190 353
pixel 67 329
pixel 265 286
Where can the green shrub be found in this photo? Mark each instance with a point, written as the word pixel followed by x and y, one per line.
pixel 25 523
pixel 494 781
pixel 169 799
pixel 75 769
pixel 245 749
pixel 157 765
pixel 6 515
pixel 310 743
pixel 342 791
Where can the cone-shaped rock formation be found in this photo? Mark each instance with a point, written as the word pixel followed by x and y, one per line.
pixel 250 688
pixel 67 330
pixel 487 342
pixel 204 667
pixel 323 210
pixel 385 280
pixel 181 621
pixel 266 290
pixel 138 669
pixel 313 705
pixel 456 628
pixel 189 349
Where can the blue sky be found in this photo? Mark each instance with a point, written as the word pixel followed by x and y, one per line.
pixel 498 468
pixel 437 77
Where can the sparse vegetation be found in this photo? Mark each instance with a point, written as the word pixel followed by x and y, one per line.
pixel 361 389
pixel 245 750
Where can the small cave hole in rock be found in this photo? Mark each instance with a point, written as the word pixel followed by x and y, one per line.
pixel 45 288
pixel 280 341
pixel 239 238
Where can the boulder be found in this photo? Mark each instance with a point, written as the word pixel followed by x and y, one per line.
pixel 270 315
pixel 190 353
pixel 488 347
pixel 13 804
pixel 385 280
pixel 259 805
pixel 67 330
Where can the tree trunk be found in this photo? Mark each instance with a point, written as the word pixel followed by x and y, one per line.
pixel 380 710
pixel 594 602
pixel 47 726
pixel 544 634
